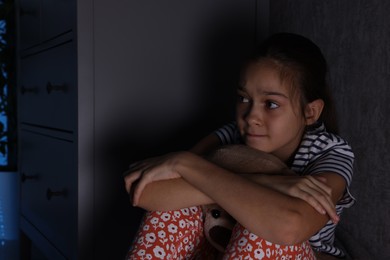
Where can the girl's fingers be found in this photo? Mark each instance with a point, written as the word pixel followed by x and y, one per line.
pixel 313 197
pixel 138 188
pixel 130 179
pixel 146 177
pixel 136 167
pixel 142 173
pixel 321 178
pixel 329 206
pixel 313 202
pixel 321 190
pixel 318 195
pixel 320 183
pixel 321 206
pixel 136 194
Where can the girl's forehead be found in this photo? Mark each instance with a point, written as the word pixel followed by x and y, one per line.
pixel 265 75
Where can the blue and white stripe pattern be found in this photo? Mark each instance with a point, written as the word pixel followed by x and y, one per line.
pixel 319 151
pixel 228 134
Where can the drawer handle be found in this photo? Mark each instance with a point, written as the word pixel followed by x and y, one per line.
pixel 28 177
pixel 24 90
pixel 51 87
pixel 50 194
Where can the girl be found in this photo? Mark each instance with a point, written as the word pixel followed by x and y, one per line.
pixel 282 109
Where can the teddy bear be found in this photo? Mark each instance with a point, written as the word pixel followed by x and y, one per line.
pixel 239 159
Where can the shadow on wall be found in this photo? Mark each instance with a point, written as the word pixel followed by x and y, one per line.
pixel 223 47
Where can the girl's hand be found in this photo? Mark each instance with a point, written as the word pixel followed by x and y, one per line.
pixel 150 170
pixel 311 189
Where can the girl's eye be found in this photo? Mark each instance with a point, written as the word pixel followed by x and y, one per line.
pixel 242 99
pixel 271 105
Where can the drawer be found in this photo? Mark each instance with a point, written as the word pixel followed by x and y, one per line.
pixel 43 20
pixel 57 17
pixel 47 88
pixel 29 23
pixel 49 188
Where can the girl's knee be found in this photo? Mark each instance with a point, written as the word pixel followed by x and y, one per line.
pixel 244 244
pixel 169 234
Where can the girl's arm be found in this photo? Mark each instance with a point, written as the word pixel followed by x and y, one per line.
pixel 273 215
pixel 264 211
pixel 170 195
pixel 175 193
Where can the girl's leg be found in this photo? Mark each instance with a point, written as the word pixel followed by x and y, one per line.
pixel 176 234
pixel 246 245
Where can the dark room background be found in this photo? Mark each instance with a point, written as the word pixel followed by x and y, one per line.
pixel 355 38
pixel 155 76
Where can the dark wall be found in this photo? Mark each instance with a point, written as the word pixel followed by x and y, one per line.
pixel 165 75
pixel 355 38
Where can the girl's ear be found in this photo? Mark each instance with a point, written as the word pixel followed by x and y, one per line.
pixel 313 111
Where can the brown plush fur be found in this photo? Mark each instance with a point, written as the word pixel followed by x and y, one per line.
pixel 240 159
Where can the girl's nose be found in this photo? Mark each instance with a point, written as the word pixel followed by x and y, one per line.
pixel 254 115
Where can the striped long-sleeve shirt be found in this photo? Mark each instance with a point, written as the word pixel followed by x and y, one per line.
pixel 319 151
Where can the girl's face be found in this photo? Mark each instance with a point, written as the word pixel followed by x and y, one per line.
pixel 268 114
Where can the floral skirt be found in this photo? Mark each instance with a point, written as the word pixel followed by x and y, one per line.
pixel 178 234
